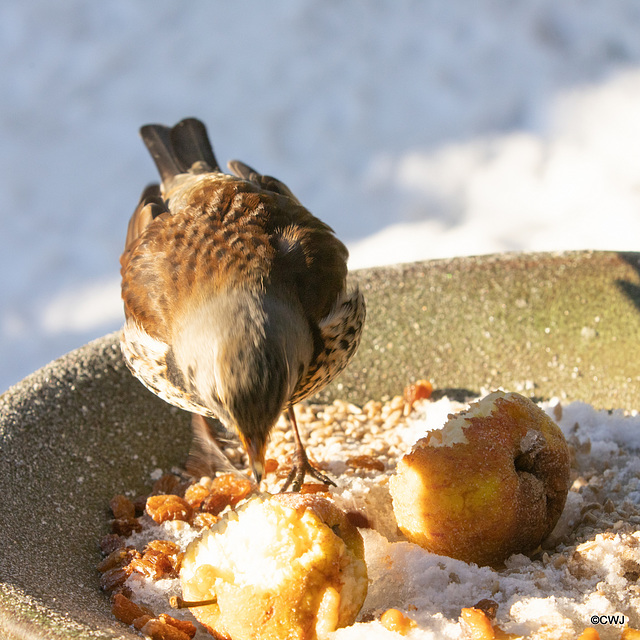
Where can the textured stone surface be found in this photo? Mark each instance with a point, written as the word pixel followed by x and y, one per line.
pixel 565 325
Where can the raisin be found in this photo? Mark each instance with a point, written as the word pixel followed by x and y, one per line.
pixel 314 487
pixel 168 507
pixel 196 494
pixel 168 484
pixel 184 625
pixel 140 502
pixel 420 390
pixel 126 610
pixel 215 503
pixel 158 630
pixel 138 623
pixel 170 549
pixel 154 565
pixel 122 507
pixel 226 490
pixel 118 558
pixel 113 579
pixel 125 526
pixel 234 486
pixel 366 462
pixel 110 543
pixel 164 546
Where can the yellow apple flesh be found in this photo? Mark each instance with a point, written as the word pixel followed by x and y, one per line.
pixel 289 566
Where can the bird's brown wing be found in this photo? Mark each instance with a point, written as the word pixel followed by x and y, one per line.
pixel 308 254
pixel 150 206
pixel 268 183
pixel 312 262
pixel 148 275
pixel 311 258
pixel 213 236
pixel 339 336
pixel 150 209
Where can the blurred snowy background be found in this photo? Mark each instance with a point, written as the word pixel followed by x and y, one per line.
pixel 416 128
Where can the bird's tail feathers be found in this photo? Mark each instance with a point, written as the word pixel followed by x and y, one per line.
pixel 175 150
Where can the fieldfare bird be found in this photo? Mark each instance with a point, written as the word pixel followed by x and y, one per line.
pixel 235 295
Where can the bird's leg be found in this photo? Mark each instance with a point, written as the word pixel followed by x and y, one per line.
pixel 301 465
pixel 206 456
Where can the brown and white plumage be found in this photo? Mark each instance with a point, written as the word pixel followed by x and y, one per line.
pixel 235 295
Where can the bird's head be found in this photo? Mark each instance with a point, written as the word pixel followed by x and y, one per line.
pixel 244 354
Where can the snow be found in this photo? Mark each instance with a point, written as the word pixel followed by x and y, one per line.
pixel 417 129
pixel 587 567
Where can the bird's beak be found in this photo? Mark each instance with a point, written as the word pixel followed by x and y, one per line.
pixel 256 457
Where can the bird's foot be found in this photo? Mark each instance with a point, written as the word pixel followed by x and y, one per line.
pixel 300 464
pixel 301 468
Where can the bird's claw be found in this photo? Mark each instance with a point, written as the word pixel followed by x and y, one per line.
pixel 299 470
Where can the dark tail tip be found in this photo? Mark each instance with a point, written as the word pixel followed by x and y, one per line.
pixel 175 150
pixel 190 144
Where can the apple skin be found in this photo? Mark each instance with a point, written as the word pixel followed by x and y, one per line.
pixel 491 483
